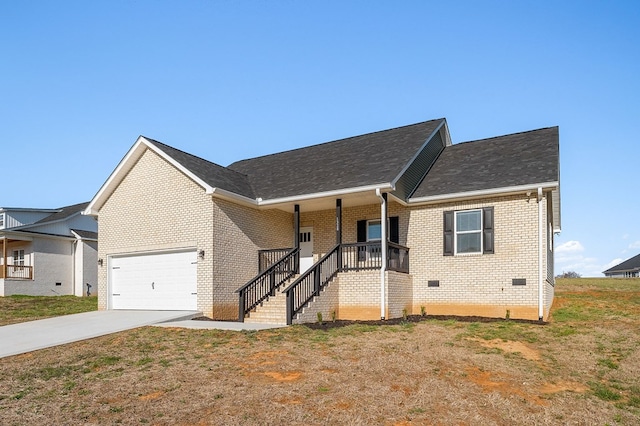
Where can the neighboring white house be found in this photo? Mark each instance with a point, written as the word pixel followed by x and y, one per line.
pixel 47 252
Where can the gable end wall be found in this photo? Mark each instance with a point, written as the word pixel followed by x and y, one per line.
pixel 156 207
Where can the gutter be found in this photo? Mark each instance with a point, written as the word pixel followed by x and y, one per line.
pixel 383 245
pixel 508 190
pixel 326 194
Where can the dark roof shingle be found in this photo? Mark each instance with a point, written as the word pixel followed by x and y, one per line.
pixel 499 162
pixel 370 159
pixel 63 213
pixel 627 265
pixel 213 174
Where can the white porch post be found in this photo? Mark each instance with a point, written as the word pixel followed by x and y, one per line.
pixel 296 235
pixel 4 257
pixel 383 248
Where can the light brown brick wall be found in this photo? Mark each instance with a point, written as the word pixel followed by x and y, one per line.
pixel 399 294
pixel 156 207
pixel 469 285
pixel 359 295
pixel 327 304
pixel 478 284
pixel 239 232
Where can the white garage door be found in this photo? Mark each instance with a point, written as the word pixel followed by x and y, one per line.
pixel 157 281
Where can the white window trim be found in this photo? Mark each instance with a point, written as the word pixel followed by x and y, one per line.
pixel 22 258
pixel 455 233
pixel 2 219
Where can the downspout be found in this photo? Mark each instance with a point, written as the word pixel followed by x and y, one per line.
pixel 540 283
pixel 383 248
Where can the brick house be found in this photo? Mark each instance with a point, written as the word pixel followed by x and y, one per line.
pixel 367 227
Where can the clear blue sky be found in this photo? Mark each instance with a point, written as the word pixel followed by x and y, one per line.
pixel 226 80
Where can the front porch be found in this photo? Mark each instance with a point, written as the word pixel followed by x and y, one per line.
pixel 292 278
pixel 15 258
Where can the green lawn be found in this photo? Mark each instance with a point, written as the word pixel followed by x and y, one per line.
pixel 15 309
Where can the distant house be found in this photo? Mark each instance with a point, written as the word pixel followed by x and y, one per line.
pixel 630 268
pixel 47 252
pixel 367 227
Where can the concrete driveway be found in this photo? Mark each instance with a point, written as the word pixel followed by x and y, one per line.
pixel 29 336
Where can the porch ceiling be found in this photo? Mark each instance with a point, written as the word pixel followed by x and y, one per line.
pixel 328 202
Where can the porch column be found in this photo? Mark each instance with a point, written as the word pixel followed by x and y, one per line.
pixel 339 230
pixel 383 248
pixel 296 235
pixel 4 257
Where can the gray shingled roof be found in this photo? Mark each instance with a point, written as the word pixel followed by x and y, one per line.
pixel 500 162
pixel 86 234
pixel 627 265
pixel 63 213
pixel 370 159
pixel 213 174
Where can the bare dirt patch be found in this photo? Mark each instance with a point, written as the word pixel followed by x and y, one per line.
pixel 512 347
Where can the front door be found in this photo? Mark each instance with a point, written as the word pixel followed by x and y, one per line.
pixel 306 248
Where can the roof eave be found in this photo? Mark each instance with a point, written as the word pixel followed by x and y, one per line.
pixel 385 187
pixel 37 224
pixel 460 196
pixel 232 196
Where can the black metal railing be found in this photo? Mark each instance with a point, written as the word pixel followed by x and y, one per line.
pixel 267 282
pixel 341 258
pixel 309 284
pixel 361 256
pixel 397 258
pixel 267 258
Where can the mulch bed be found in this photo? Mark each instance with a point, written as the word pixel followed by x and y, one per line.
pixel 326 325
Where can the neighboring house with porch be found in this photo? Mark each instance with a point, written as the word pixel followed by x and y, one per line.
pixel 366 227
pixel 48 252
pixel 630 268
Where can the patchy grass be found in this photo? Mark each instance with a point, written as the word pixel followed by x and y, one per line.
pixel 15 309
pixel 584 364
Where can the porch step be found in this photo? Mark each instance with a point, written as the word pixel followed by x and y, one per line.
pixel 272 311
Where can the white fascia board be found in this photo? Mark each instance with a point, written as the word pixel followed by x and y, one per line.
pixel 16 236
pixel 383 187
pixel 30 236
pixel 410 162
pixel 232 196
pixel 20 209
pixel 126 164
pixel 508 190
